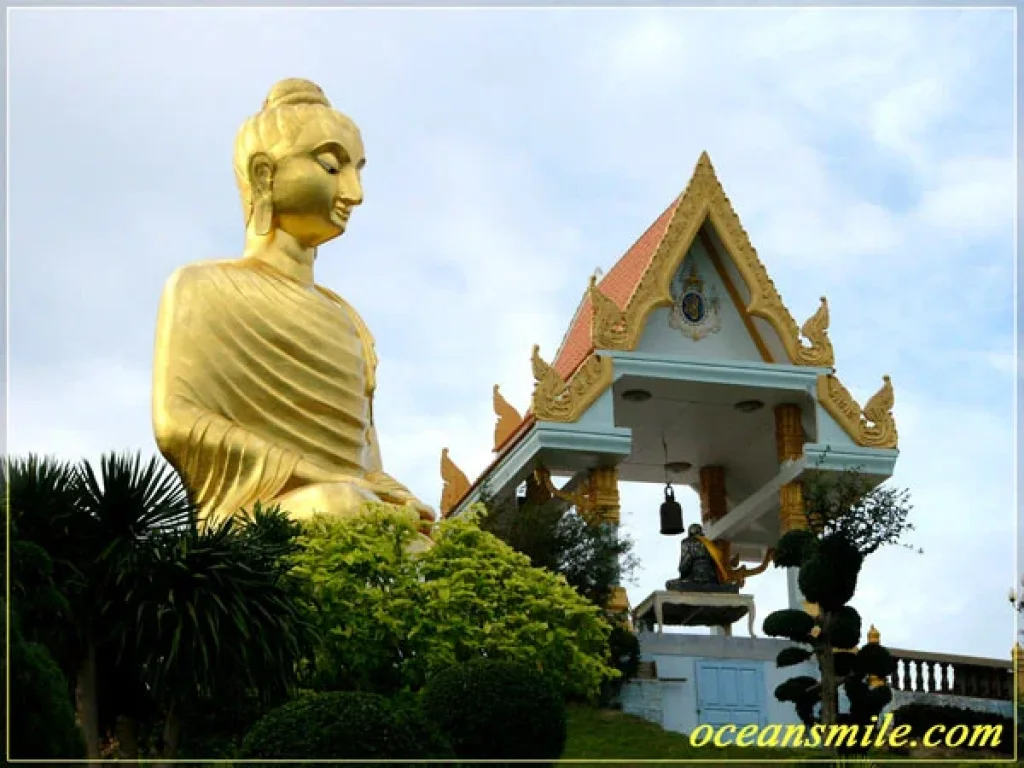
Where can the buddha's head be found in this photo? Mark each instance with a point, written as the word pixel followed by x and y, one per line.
pixel 695 530
pixel 297 164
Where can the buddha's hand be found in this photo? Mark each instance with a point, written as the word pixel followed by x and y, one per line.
pixel 393 492
pixel 406 499
pixel 308 472
pixel 425 513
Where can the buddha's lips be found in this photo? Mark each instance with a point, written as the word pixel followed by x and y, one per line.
pixel 343 211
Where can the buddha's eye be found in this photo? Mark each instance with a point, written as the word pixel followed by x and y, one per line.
pixel 327 166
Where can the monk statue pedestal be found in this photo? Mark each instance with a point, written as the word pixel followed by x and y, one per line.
pixel 706 593
pixel 695 609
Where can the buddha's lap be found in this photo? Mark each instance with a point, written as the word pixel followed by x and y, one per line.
pixel 341 499
pixel 345 500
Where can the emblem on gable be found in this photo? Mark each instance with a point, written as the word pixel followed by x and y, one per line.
pixel 694 310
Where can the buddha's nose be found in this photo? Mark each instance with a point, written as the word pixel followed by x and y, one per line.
pixel 350 189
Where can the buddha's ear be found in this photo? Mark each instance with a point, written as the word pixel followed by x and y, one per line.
pixel 261 174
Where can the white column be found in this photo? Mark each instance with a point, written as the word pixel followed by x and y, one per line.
pixel 796 598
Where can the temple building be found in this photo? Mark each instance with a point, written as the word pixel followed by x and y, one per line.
pixel 683 366
pixel 683 363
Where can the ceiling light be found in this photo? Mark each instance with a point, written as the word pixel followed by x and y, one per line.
pixel 749 406
pixel 636 395
pixel 678 467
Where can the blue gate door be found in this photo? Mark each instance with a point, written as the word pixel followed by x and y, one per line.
pixel 730 692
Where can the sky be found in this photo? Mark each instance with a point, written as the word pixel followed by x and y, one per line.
pixel 868 152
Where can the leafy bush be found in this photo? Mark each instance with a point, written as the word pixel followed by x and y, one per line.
pixel 593 557
pixel 921 717
pixel 624 648
pixel 497 710
pixel 42 721
pixel 389 619
pixel 344 725
pixel 874 659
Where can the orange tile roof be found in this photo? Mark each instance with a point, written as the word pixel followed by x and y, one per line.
pixel 618 285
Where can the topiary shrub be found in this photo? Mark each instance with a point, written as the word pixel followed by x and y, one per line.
pixel 793 548
pixel 497 710
pixel 789 623
pixel 343 725
pixel 828 577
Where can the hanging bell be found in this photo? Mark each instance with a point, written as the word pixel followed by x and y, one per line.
pixel 671 514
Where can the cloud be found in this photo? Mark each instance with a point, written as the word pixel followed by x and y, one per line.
pixel 868 151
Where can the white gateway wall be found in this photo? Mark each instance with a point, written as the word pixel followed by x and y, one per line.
pixel 671 700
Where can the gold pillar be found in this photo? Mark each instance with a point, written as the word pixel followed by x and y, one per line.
pixel 604 487
pixel 536 492
pixel 712 494
pixel 789 442
pixel 712 502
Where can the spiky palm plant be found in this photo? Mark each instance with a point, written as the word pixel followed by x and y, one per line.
pixel 91 522
pixel 166 612
pixel 214 614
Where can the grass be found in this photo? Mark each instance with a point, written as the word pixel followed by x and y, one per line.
pixel 599 734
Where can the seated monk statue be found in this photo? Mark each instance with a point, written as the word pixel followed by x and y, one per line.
pixel 263 380
pixel 700 566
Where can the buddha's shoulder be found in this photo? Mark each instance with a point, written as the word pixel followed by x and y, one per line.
pixel 205 274
pixel 361 328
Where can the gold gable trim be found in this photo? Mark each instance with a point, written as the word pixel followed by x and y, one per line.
pixel 704 199
pixel 556 399
pixel 872 426
pixel 508 419
pixel 455 484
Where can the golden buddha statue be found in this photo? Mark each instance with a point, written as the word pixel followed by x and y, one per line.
pixel 263 380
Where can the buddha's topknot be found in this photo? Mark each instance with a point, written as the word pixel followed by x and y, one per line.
pixel 293 92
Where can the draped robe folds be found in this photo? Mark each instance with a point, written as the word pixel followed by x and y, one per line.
pixel 255 372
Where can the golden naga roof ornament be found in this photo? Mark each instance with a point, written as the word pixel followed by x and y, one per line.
pixel 815 330
pixel 609 328
pixel 555 399
pixel 871 427
pixel 509 419
pixel 455 484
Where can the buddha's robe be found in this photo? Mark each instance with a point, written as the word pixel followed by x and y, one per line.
pixel 255 372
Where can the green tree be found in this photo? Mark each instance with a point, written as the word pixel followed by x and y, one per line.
pixel 850 504
pixel 42 723
pixel 164 613
pixel 42 720
pixel 848 519
pixel 593 558
pixel 389 618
